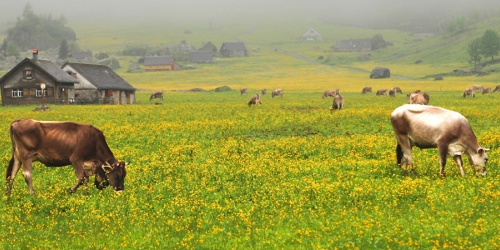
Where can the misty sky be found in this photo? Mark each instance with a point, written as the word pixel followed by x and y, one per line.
pixel 242 10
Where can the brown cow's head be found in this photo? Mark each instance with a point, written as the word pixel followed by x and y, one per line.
pixel 478 161
pixel 113 175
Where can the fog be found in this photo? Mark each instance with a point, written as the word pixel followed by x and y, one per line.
pixel 372 13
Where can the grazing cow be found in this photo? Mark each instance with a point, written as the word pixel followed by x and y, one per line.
pixel 397 90
pixel 497 88
pixel 264 91
pixel 418 98
pixel 469 92
pixel 277 92
pixel 328 93
pixel 392 93
pixel 366 90
pixel 156 95
pixel 382 92
pixel 243 91
pixel 255 100
pixel 434 127
pixel 57 144
pixel 338 102
pixel 486 91
pixel 477 87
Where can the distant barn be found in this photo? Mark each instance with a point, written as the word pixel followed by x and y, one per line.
pixel 233 49
pixel 353 45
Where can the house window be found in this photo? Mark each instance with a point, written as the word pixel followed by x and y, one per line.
pixel 39 92
pixel 28 74
pixel 109 93
pixel 17 93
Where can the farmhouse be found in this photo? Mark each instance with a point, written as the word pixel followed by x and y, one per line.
pixel 24 84
pixel 353 45
pixel 210 47
pixel 201 57
pixel 160 63
pixel 312 35
pixel 233 49
pixel 99 84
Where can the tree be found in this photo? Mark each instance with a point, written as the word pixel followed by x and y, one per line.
pixel 63 49
pixel 474 50
pixel 378 41
pixel 490 44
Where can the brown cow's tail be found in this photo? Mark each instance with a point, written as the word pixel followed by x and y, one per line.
pixel 399 154
pixel 8 173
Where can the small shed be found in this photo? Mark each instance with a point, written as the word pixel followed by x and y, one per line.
pixel 210 47
pixel 22 85
pixel 160 63
pixel 380 72
pixel 312 35
pixel 99 84
pixel 233 49
pixel 353 45
pixel 201 57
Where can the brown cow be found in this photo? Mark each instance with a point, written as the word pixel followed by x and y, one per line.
pixel 264 91
pixel 434 127
pixel 366 90
pixel 255 100
pixel 497 88
pixel 397 90
pixel 477 87
pixel 277 92
pixel 486 91
pixel 338 102
pixel 382 92
pixel 418 98
pixel 469 92
pixel 156 95
pixel 57 144
pixel 392 93
pixel 243 91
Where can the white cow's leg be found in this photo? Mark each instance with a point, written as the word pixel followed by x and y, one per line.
pixel 458 160
pixel 443 151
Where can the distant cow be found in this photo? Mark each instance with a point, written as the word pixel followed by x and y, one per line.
pixel 243 91
pixel 382 92
pixel 497 88
pixel 469 92
pixel 366 90
pixel 255 100
pixel 156 95
pixel 392 93
pixel 338 102
pixel 264 91
pixel 418 98
pixel 57 144
pixel 328 93
pixel 434 127
pixel 277 92
pixel 477 87
pixel 397 90
pixel 486 91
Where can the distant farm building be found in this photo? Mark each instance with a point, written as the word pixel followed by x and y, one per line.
pixel 353 45
pixel 152 63
pixel 312 35
pixel 210 47
pixel 81 55
pixel 233 49
pixel 99 84
pixel 201 57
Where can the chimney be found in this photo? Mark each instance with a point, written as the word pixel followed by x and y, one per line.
pixel 35 54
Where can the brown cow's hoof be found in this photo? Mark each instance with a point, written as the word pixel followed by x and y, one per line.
pixel 70 191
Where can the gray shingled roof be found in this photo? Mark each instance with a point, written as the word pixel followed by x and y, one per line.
pixel 158 60
pixel 53 70
pixel 238 46
pixel 100 76
pixel 200 56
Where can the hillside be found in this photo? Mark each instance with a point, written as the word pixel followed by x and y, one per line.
pixel 267 68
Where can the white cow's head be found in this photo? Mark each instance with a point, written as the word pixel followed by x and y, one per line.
pixel 478 161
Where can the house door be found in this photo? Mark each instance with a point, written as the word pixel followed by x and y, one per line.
pixel 62 95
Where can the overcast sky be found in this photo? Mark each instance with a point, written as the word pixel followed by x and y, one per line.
pixel 239 10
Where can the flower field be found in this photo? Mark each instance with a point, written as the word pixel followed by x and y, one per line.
pixel 208 172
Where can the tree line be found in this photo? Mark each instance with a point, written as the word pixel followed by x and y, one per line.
pixel 486 46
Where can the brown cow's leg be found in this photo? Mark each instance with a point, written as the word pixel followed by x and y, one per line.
pixel 81 178
pixel 11 173
pixel 27 170
pixel 458 160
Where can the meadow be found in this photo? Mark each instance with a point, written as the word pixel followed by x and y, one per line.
pixel 208 172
